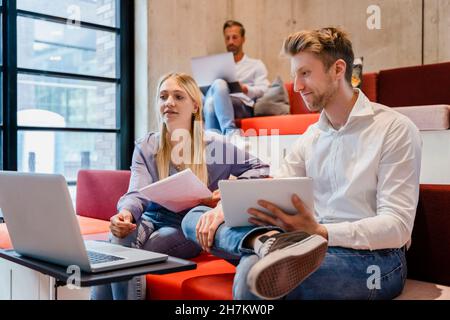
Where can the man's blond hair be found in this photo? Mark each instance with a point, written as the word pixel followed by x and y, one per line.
pixel 328 44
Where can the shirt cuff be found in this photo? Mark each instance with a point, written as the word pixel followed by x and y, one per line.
pixel 252 92
pixel 338 234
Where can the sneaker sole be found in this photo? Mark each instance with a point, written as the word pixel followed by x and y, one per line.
pixel 295 263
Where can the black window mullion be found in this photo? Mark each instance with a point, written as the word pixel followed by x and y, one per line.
pixel 125 111
pixel 124 81
pixel 75 76
pixel 2 79
pixel 10 85
pixel 68 129
pixel 2 102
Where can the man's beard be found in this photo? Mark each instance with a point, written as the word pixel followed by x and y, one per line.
pixel 233 49
pixel 319 101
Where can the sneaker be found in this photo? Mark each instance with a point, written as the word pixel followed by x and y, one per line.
pixel 286 260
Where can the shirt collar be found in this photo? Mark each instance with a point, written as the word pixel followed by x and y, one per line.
pixel 362 108
pixel 242 60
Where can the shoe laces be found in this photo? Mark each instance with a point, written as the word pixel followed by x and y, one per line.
pixel 266 246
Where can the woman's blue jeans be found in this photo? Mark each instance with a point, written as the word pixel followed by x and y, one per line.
pixel 220 109
pixel 158 231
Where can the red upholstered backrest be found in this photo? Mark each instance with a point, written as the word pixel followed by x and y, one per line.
pixel 428 257
pixel 413 86
pixel 98 192
pixel 369 87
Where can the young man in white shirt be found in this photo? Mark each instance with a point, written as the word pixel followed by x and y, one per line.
pixel 364 159
pixel 221 107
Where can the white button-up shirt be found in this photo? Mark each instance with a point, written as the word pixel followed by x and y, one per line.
pixel 366 175
pixel 253 73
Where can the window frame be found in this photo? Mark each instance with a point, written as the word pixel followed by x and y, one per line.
pixel 123 79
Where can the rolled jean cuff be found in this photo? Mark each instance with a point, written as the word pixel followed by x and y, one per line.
pixel 241 247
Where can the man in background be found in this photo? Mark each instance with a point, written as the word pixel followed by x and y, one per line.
pixel 221 108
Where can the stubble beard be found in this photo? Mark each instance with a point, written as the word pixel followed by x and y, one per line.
pixel 319 102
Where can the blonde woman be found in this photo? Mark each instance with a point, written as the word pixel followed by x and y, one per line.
pixel 179 144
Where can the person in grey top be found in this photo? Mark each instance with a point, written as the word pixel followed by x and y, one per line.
pixel 224 159
pixel 181 143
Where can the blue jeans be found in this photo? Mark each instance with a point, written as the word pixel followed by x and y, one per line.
pixel 157 231
pixel 220 109
pixel 228 242
pixel 344 273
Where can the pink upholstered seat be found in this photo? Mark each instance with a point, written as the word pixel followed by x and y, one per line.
pixel 98 192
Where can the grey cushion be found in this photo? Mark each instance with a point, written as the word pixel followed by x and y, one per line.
pixel 274 102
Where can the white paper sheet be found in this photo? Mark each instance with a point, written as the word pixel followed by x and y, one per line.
pixel 177 192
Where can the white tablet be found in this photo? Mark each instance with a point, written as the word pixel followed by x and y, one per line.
pixel 240 195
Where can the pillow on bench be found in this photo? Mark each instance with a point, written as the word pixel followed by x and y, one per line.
pixel 274 102
pixel 430 117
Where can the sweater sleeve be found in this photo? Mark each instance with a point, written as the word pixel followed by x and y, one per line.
pixel 141 176
pixel 261 83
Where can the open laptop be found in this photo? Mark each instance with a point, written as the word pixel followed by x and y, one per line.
pixel 239 195
pixel 206 69
pixel 42 224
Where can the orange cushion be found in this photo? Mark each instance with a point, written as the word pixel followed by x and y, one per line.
pixel 173 286
pixel 88 226
pixel 209 287
pixel 287 124
pixel 91 225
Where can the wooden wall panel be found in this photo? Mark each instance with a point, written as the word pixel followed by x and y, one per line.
pixel 181 29
pixel 437 31
pixel 177 31
pixel 267 23
pixel 396 44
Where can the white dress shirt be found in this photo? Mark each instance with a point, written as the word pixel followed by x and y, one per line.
pixel 366 175
pixel 253 73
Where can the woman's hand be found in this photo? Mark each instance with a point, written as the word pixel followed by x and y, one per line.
pixel 122 224
pixel 207 226
pixel 212 202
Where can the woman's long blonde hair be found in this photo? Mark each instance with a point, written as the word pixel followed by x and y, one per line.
pixel 197 162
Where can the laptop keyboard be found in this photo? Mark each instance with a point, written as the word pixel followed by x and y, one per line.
pixel 96 257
